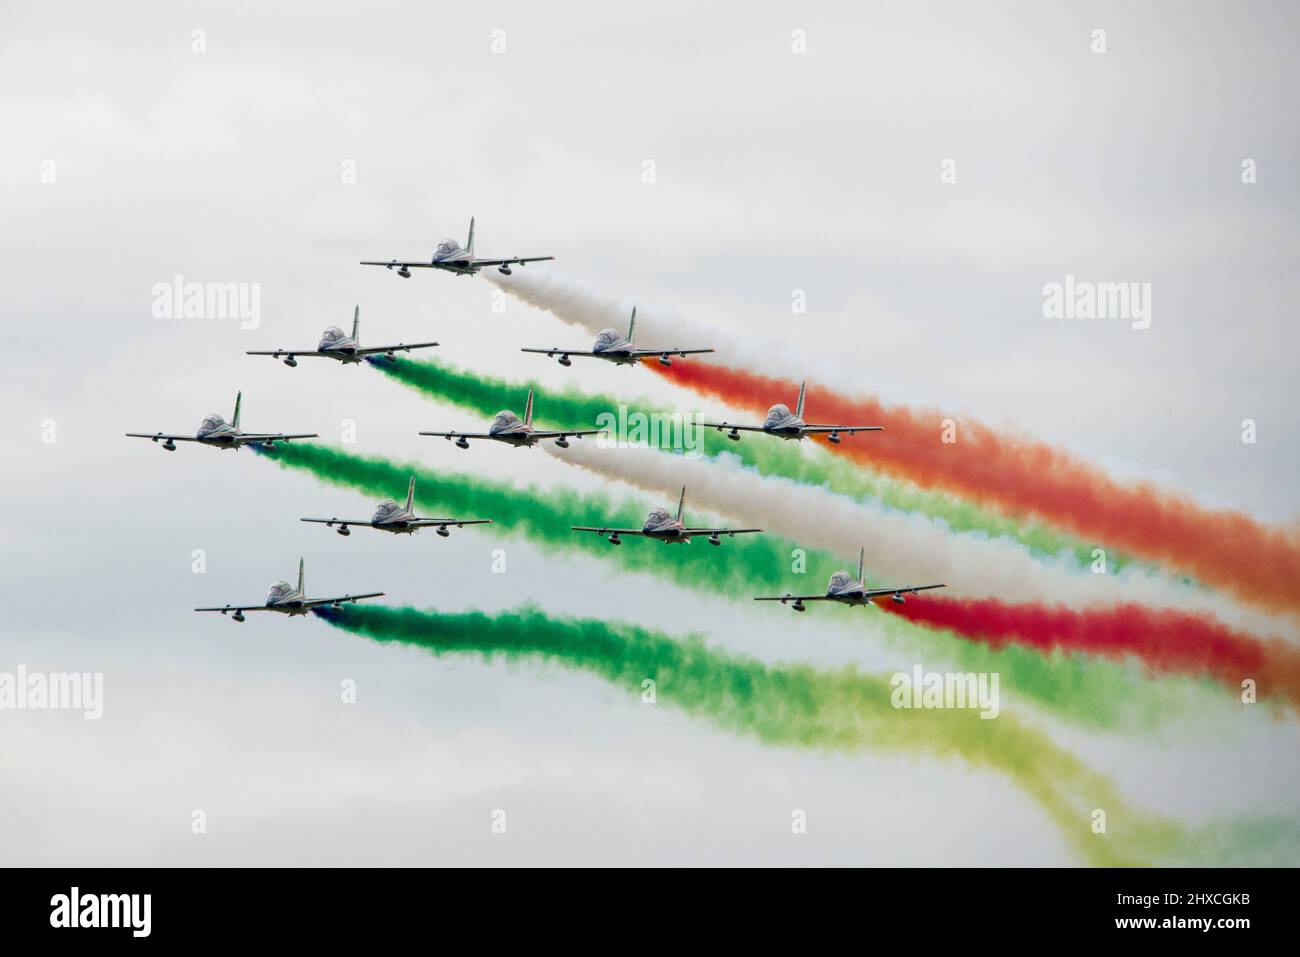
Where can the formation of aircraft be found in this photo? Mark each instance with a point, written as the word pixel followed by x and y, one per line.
pixel 398 519
pixel 609 346
pixel 287 600
pixel 667 528
pixel 509 428
pixel 846 590
pixel 785 424
pixel 613 346
pixel 218 432
pixel 334 344
pixel 451 256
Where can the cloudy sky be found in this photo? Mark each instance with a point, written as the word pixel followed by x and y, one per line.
pixel 278 144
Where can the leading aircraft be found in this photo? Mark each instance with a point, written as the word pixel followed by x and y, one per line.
pixel 667 528
pixel 782 422
pixel 509 428
pixel 850 591
pixel 287 600
pixel 612 346
pixel 451 256
pixel 335 345
pixel 224 435
pixel 391 517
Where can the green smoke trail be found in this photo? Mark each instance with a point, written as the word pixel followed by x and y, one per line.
pixel 789 705
pixel 1094 693
pixel 570 407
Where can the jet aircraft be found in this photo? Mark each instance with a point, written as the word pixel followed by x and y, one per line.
pixel 334 344
pixel 667 528
pixel 400 520
pixel 451 256
pixel 849 591
pixel 785 424
pixel 216 431
pixel 287 600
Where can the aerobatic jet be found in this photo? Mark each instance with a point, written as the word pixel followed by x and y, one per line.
pixel 400 520
pixel 451 256
pixel 782 422
pixel 509 428
pixel 665 527
pixel 343 348
pixel 849 591
pixel 613 346
pixel 287 600
pixel 224 435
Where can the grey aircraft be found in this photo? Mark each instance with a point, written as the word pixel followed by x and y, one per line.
pixel 451 256
pixel 850 591
pixel 224 435
pixel 343 348
pixel 661 524
pixel 509 428
pixel 391 517
pixel 613 346
pixel 287 600
pixel 782 422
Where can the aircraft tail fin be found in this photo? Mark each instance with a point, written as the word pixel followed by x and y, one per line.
pixel 631 326
pixel 862 556
pixel 410 493
pixel 528 409
pixel 234 421
pixel 301 578
pixel 798 410
pixel 356 322
pixel 681 504
pixel 469 243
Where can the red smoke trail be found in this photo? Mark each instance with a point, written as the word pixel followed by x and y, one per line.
pixel 1023 477
pixel 1166 641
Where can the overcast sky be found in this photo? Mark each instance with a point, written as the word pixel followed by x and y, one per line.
pixel 130 158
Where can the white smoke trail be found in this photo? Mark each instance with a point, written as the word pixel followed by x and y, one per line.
pixel 901 548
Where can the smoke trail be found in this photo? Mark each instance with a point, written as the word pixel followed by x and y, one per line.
pixel 789 705
pixel 1018 475
pixel 814 466
pixel 909 549
pixel 1024 476
pixel 1092 693
pixel 1165 641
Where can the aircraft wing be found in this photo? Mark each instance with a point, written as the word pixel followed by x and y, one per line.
pixel 608 531
pixel 812 429
pixel 720 531
pixel 399 264
pixel 666 353
pixel 577 434
pixel 277 353
pixel 400 347
pixel 785 598
pixel 225 608
pixel 912 589
pixel 458 522
pixel 162 435
pixel 512 260
pixel 338 521
pixel 460 435
pixel 731 425
pixel 247 438
pixel 564 352
pixel 317 602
